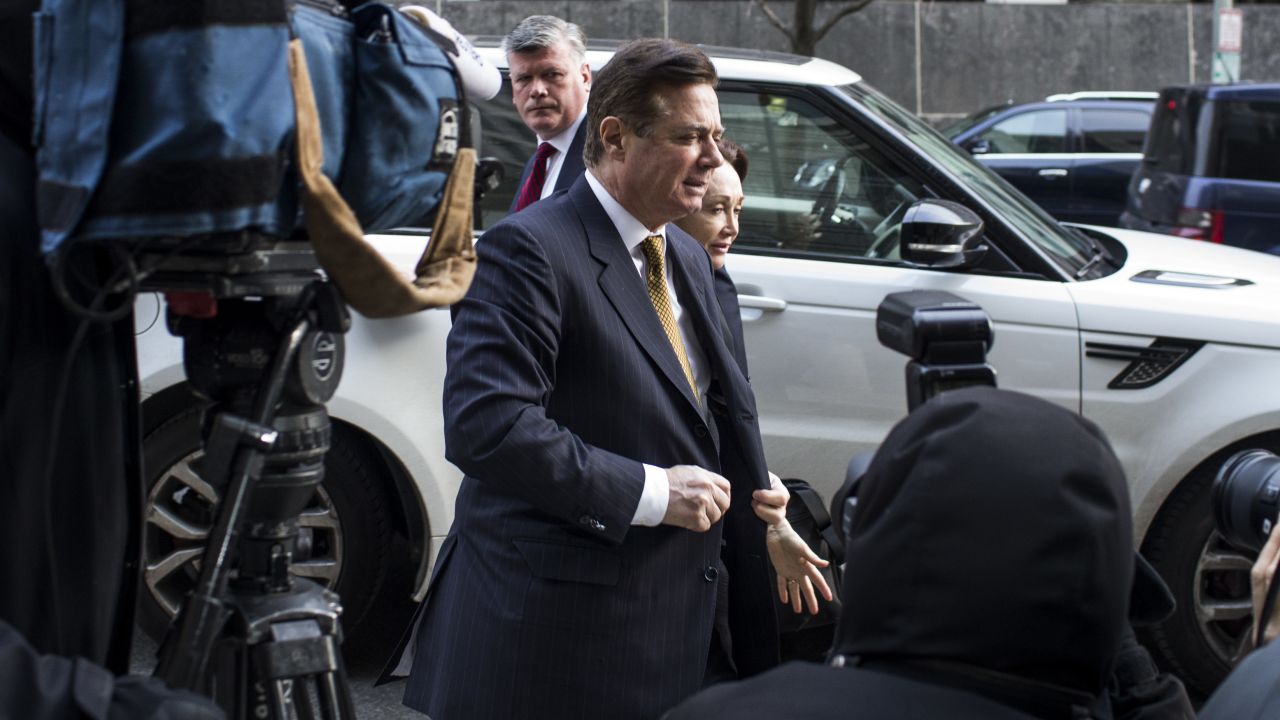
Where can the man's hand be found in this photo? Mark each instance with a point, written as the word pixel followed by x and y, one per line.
pixel 1264 568
pixel 798 569
pixel 698 498
pixel 771 505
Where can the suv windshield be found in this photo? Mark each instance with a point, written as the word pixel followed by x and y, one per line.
pixel 972 119
pixel 1072 251
pixel 1246 140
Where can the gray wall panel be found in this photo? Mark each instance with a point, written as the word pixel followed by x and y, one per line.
pixel 878 43
pixel 971 55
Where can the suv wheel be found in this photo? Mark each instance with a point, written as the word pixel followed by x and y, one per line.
pixel 1208 632
pixel 347 525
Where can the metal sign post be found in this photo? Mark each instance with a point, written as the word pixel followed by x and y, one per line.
pixel 1228 31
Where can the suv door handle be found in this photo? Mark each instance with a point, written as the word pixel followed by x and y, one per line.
pixel 1053 173
pixel 759 302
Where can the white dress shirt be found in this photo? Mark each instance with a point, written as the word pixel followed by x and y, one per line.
pixel 653 500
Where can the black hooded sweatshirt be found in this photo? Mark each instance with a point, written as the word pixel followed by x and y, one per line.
pixel 987 574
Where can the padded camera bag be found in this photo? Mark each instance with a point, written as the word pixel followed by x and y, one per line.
pixel 157 118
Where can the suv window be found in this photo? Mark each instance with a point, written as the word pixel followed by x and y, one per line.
pixel 503 136
pixel 1038 131
pixel 815 188
pixel 1113 131
pixel 1247 141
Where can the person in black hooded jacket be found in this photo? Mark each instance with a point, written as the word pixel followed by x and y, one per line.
pixel 987 574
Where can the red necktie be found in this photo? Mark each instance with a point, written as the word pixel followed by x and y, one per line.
pixel 532 190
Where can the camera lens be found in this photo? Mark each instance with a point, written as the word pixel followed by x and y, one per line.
pixel 1246 496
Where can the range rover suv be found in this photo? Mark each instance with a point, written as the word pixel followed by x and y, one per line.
pixel 1171 347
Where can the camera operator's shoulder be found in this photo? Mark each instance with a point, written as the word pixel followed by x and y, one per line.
pixel 801 689
pixel 1251 691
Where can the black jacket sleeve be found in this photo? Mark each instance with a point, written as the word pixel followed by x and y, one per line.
pixel 1140 691
pixel 52 687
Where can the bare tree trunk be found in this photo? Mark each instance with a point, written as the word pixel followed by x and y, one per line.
pixel 804 38
pixel 803 34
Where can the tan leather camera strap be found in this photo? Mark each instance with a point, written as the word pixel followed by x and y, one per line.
pixel 367 281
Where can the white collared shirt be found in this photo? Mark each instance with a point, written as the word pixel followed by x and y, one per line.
pixel 561 143
pixel 653 500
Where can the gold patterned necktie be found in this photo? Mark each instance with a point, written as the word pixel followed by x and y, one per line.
pixel 656 280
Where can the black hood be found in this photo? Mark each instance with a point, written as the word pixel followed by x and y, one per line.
pixel 992 531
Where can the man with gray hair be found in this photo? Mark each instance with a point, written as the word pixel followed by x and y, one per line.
pixel 550 80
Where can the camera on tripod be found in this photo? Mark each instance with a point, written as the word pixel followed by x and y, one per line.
pixel 231 156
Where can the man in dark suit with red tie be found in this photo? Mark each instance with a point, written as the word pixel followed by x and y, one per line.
pixel 590 398
pixel 550 80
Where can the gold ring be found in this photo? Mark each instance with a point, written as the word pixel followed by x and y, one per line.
pixel 793 581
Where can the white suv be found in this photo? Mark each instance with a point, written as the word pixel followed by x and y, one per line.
pixel 1170 346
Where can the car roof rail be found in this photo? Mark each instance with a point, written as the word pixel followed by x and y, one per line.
pixel 1103 95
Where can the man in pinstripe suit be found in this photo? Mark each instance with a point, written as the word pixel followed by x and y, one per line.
pixel 591 382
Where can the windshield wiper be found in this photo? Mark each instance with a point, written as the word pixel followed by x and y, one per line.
pixel 1100 253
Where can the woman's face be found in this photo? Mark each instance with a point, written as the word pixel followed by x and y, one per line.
pixel 716 224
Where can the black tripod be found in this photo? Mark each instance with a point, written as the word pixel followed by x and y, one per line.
pixel 262 338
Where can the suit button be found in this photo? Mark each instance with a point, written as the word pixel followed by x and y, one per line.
pixel 700 430
pixel 591 522
pixel 710 574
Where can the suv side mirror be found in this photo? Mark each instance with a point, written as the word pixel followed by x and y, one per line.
pixel 941 234
pixel 981 146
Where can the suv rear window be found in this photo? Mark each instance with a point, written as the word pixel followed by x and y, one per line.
pixel 1171 143
pixel 1246 141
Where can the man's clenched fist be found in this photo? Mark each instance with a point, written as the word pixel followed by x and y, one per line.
pixel 698 498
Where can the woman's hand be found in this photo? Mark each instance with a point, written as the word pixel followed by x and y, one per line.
pixel 798 567
pixel 1264 569
pixel 771 505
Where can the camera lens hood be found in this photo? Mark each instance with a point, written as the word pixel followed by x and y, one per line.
pixel 1246 497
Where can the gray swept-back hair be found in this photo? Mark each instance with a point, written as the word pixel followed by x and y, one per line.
pixel 539 32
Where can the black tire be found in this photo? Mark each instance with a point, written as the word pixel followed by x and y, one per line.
pixel 349 524
pixel 1205 636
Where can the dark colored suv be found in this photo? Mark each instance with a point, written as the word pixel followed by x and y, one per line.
pixel 1072 154
pixel 1211 167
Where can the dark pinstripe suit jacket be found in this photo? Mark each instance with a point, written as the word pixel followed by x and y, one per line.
pixel 570 171
pixel 546 602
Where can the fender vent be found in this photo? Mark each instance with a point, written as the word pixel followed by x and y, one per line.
pixel 1147 365
pixel 1182 279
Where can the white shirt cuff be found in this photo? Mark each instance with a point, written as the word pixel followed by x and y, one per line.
pixel 653 499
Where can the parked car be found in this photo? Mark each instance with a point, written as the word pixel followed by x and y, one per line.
pixel 1171 347
pixel 1072 154
pixel 1211 167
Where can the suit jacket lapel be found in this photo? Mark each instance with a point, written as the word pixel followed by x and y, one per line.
pixel 625 290
pixel 572 167
pixel 715 337
pixel 708 320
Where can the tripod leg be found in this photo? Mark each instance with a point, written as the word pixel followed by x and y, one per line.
pixel 303 668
